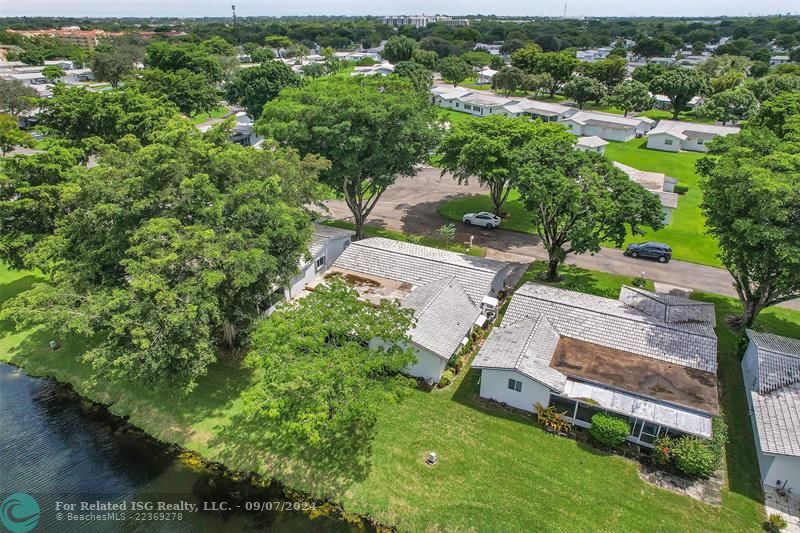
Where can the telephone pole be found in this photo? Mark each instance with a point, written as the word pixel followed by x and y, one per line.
pixel 235 24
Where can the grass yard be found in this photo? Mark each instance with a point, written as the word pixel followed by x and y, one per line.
pixel 687 116
pixel 370 231
pixel 685 233
pixel 453 116
pixel 496 469
pixel 581 280
pixel 214 113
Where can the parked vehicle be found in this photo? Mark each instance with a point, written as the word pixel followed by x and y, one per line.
pixel 650 250
pixel 487 220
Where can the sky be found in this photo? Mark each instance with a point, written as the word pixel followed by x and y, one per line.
pixel 216 8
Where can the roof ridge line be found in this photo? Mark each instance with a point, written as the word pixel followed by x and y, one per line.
pixel 528 341
pixel 482 269
pixel 436 295
pixel 660 325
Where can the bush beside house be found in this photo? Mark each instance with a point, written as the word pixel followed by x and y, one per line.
pixel 609 430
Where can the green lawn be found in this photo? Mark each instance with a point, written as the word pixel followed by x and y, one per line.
pixel 685 233
pixel 496 470
pixel 687 116
pixel 579 279
pixel 453 116
pixel 215 113
pixel 371 231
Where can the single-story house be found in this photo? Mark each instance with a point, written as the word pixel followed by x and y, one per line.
pixel 483 103
pixel 592 144
pixel 659 184
pixel 534 109
pixel 383 68
pixel 650 358
pixel 486 76
pixel 244 131
pixel 675 135
pixel 607 125
pixel 662 102
pixel 444 289
pixel 771 371
pixel 779 60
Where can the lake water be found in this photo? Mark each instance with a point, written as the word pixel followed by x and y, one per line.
pixel 57 448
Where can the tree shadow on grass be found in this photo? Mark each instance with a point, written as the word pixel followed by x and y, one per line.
pixel 325 470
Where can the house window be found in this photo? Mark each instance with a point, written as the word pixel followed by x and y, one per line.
pixel 668 142
pixel 515 385
pixel 457 104
pixel 467 106
pixel 345 245
pixel 585 412
pixel 700 142
pixel 320 262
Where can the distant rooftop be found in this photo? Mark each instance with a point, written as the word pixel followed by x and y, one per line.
pixel 684 130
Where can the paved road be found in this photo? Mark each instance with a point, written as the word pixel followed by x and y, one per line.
pixel 411 206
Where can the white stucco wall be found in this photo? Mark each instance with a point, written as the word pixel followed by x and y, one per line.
pixel 494 386
pixel 609 134
pixel 694 145
pixel 656 142
pixel 427 366
pixel 332 250
pixel 781 468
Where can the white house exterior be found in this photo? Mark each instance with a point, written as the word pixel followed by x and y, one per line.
pixel 486 76
pixel 675 135
pixel 444 289
pixel 771 372
pixel 384 68
pixel 648 357
pixel 483 103
pixel 659 184
pixel 592 144
pixel 607 125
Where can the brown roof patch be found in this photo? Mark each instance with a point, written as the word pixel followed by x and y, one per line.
pixel 637 374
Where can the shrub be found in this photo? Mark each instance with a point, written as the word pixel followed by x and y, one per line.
pixel 662 450
pixel 775 523
pixel 695 457
pixel 447 378
pixel 609 430
pixel 719 438
pixel 640 282
pixel 680 189
pixel 551 419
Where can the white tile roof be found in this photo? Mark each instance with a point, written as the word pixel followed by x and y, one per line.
pixel 323 234
pixel 592 141
pixel 672 308
pixel 444 316
pixel 684 130
pixel 632 405
pixel 776 400
pixel 526 346
pixel 608 119
pixel 420 265
pixel 617 325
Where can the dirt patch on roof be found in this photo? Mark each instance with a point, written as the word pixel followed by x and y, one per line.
pixel 638 374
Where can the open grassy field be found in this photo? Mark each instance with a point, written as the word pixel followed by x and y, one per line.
pixel 685 233
pixel 497 471
pixel 214 113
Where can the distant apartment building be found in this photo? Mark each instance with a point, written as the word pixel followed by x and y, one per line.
pixel 87 39
pixel 421 21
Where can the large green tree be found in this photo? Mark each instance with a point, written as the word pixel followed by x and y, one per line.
pixel 16 97
pixel 492 150
pixel 582 89
pixel 30 198
pixel 373 130
pixel 163 253
pixel 454 70
pixel 112 66
pixel 680 86
pixel 191 92
pixel 255 86
pixel 319 377
pixel 11 135
pixel 527 58
pixel 508 79
pixel 75 113
pixel 398 48
pixel 53 73
pixel 732 104
pixel 419 76
pixel 610 72
pixel 775 112
pixel 578 200
pixel 559 65
pixel 177 56
pixel 751 199
pixel 630 95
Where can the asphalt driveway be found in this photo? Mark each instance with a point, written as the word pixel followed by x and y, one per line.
pixel 411 204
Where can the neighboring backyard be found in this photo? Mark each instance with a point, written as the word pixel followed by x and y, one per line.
pixel 685 233
pixel 494 468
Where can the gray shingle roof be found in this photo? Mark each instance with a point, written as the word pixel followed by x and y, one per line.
pixel 777 416
pixel 323 234
pixel 672 308
pixel 776 400
pixel 526 346
pixel 444 315
pixel 420 265
pixel 616 325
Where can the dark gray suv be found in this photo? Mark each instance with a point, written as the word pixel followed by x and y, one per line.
pixel 650 250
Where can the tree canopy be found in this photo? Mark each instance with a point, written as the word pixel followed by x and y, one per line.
pixel 454 70
pixel 582 89
pixel 680 86
pixel 11 135
pixel 255 86
pixel 493 150
pixel 372 129
pixel 190 92
pixel 630 95
pixel 163 253
pixel 751 199
pixel 399 48
pixel 320 376
pixel 16 97
pixel 578 200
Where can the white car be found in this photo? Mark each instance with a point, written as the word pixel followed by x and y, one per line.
pixel 487 220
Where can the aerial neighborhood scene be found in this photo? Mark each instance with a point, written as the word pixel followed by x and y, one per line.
pixel 376 267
